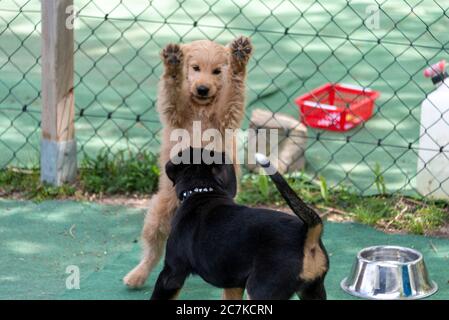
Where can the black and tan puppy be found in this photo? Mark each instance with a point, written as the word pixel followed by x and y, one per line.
pixel 271 254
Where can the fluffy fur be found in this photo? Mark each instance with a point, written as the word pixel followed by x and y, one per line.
pixel 270 254
pixel 202 81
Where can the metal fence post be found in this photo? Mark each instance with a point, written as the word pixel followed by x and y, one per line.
pixel 58 145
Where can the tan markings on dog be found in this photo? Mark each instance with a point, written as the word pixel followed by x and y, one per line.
pixel 176 295
pixel 233 294
pixel 179 106
pixel 314 263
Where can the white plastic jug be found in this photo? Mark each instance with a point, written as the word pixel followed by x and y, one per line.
pixel 432 179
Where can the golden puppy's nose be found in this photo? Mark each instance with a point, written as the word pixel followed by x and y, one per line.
pixel 203 91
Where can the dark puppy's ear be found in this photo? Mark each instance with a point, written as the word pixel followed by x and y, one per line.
pixel 177 163
pixel 224 174
pixel 172 171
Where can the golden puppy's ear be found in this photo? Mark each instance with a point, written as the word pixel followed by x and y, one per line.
pixel 173 169
pixel 185 47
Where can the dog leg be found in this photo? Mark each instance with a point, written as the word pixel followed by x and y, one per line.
pixel 173 59
pixel 233 294
pixel 232 116
pixel 171 97
pixel 164 203
pixel 313 291
pixel 155 233
pixel 169 284
pixel 241 50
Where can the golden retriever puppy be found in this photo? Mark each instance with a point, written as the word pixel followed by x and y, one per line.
pixel 202 82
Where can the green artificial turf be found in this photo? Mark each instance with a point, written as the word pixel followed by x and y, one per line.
pixel 39 242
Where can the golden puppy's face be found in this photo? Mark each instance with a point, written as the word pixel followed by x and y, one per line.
pixel 206 68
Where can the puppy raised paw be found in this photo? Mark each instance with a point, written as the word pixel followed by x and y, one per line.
pixel 173 57
pixel 241 50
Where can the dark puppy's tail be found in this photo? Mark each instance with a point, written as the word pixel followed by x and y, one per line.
pixel 299 207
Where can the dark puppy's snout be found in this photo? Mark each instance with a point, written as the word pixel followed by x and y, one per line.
pixel 203 91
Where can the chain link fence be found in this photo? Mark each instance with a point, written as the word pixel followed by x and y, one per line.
pixel 299 46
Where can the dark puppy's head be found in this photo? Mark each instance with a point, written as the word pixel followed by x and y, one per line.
pixel 200 168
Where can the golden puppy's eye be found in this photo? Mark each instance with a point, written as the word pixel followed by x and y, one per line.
pixel 196 68
pixel 216 71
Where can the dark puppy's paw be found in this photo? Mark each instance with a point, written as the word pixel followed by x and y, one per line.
pixel 241 49
pixel 172 55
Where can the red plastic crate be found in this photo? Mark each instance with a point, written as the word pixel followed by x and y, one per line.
pixel 337 107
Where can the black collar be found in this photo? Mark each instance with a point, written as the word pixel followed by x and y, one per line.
pixel 188 193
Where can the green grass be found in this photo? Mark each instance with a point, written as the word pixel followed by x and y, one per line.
pixel 27 184
pixel 391 212
pixel 128 173
pixel 121 173
pixel 124 172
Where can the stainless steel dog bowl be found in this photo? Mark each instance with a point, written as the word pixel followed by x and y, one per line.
pixel 389 273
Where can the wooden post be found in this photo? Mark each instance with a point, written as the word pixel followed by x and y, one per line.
pixel 58 145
